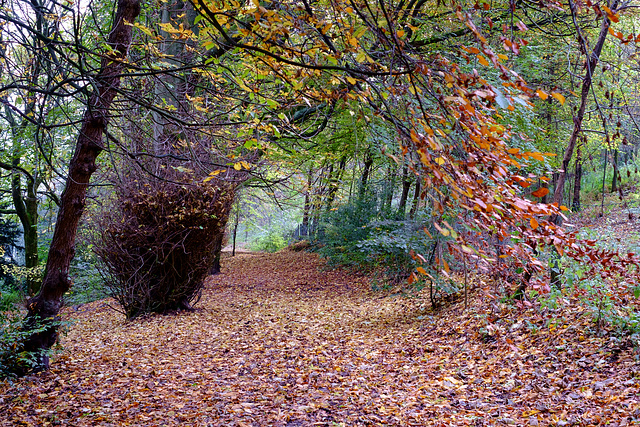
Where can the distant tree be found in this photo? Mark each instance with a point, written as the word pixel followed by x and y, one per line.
pixel 9 237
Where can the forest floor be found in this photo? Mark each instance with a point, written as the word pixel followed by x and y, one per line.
pixel 278 340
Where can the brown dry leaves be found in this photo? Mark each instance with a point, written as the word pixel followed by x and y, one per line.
pixel 277 341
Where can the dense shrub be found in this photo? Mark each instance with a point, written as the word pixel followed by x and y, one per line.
pixel 361 234
pixel 342 230
pixel 157 242
pixel 391 242
pixel 273 241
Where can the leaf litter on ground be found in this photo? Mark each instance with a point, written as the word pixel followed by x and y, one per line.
pixel 278 340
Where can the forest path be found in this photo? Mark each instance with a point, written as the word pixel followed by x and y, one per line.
pixel 278 341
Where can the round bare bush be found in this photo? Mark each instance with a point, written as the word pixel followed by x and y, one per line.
pixel 157 242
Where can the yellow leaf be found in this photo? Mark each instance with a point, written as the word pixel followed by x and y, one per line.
pixel 237 166
pixel 351 80
pixel 542 94
pixel 559 97
pixel 442 231
pixel 467 249
pixel 440 160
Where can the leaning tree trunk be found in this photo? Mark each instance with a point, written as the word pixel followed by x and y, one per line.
pixel 45 306
pixel 592 62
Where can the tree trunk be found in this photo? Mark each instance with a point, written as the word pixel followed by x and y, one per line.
pixel 334 181
pixel 43 309
pixel 306 214
pixel 391 184
pixel 31 239
pixel 169 89
pixel 416 200
pixel 406 185
pixel 27 212
pixel 235 229
pixel 592 62
pixel 575 206
pixel 616 174
pixel 368 163
pixel 216 267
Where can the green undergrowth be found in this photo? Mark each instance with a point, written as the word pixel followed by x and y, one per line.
pixel 382 242
pixel 613 307
pixel 14 360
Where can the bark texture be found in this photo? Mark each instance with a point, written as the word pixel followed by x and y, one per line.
pixel 45 306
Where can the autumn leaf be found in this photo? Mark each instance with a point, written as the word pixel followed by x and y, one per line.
pixel 281 337
pixel 540 192
pixel 482 60
pixel 533 223
pixel 559 97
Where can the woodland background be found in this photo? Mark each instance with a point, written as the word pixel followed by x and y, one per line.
pixel 480 157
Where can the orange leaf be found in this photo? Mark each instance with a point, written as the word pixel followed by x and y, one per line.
pixel 534 223
pixel 421 270
pixel 414 136
pixel 536 156
pixel 483 60
pixel 540 192
pixel 542 94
